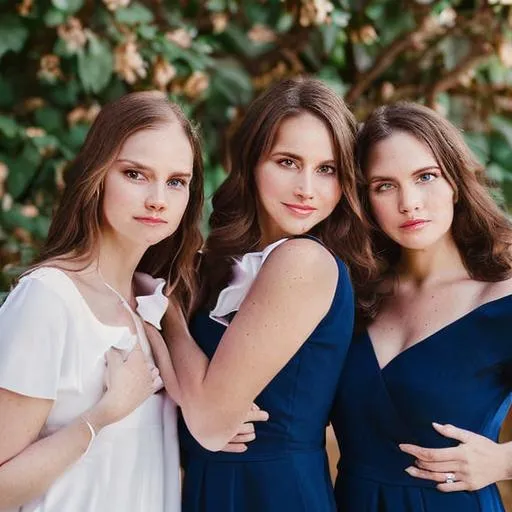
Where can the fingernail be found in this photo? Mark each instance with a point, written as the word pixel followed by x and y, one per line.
pixel 436 424
pixel 411 470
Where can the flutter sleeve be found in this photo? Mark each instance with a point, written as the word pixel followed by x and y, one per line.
pixel 33 326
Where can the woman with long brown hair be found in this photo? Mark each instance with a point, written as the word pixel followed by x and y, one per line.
pixel 276 308
pixel 129 214
pixel 427 383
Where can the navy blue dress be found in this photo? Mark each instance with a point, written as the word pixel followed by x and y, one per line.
pixel 285 468
pixel 460 375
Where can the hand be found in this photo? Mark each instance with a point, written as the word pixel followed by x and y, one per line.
pixel 475 463
pixel 129 383
pixel 246 432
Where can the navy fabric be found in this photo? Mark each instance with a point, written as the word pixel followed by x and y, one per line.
pixel 458 375
pixel 285 468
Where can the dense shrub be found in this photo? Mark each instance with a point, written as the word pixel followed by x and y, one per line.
pixel 61 59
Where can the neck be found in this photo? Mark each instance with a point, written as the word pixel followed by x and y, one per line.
pixel 117 261
pixel 433 264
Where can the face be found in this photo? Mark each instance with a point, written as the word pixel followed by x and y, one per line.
pixel 297 181
pixel 409 196
pixel 147 188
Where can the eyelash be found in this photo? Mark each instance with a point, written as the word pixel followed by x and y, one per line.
pixel 130 172
pixel 378 189
pixel 289 164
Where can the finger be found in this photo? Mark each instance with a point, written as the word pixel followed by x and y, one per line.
pixel 114 357
pixel 431 454
pixel 246 428
pixel 254 407
pixel 244 438
pixel 456 486
pixel 464 436
pixel 158 384
pixel 234 448
pixel 441 467
pixel 427 475
pixel 257 415
pixel 155 373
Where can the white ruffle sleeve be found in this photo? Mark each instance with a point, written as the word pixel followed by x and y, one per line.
pixel 245 271
pixel 33 323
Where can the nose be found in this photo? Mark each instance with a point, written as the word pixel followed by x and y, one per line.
pixel 155 200
pixel 304 186
pixel 410 199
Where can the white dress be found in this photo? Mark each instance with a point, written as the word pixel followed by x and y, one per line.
pixel 53 346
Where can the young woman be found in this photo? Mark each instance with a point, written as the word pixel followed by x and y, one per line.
pixel 276 309
pixel 427 385
pixel 132 203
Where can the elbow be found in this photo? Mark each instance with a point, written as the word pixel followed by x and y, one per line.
pixel 208 429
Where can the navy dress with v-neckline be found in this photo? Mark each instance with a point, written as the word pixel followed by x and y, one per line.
pixel 461 374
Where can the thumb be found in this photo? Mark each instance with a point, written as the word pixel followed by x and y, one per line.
pixel 114 358
pixel 453 432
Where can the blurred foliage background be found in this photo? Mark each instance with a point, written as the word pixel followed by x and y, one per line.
pixel 60 60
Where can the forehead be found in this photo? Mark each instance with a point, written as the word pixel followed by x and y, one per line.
pixel 304 135
pixel 164 146
pixel 400 153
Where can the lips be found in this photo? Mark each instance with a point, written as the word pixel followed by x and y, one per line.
pixel 150 221
pixel 300 209
pixel 414 224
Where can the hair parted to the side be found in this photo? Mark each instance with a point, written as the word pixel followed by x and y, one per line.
pixel 481 231
pixel 234 222
pixel 76 225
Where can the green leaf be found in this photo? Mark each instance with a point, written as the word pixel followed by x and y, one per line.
pixel 500 150
pixel 504 126
pixel 6 93
pixel 479 145
pixel 8 127
pixel 49 118
pixel 329 36
pixel 69 6
pixel 65 94
pixel 134 14
pixel 232 82
pixel 148 32
pixel 54 17
pixel 22 169
pixel 14 34
pixel 95 65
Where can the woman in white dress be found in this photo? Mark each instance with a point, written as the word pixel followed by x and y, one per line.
pixel 77 435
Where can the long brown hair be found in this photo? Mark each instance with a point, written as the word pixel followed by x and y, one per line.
pixel 75 227
pixel 234 224
pixel 481 231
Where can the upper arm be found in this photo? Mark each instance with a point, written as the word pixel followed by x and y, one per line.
pixel 291 294
pixel 20 422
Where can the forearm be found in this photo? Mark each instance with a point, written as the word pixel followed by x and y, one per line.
pixel 204 415
pixel 30 473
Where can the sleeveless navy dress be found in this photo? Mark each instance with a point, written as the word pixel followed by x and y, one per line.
pixel 459 375
pixel 285 468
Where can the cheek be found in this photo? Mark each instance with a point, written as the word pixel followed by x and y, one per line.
pixel 381 209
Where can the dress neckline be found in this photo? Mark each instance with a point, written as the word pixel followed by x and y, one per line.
pixel 431 336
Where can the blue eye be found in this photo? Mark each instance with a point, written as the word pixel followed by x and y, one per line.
pixel 426 177
pixel 177 183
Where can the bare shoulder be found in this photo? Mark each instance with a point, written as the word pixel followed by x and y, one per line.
pixel 493 291
pixel 304 258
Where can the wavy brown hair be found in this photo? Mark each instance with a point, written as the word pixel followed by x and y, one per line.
pixel 481 231
pixel 76 225
pixel 234 224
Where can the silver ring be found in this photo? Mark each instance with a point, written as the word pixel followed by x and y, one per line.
pixel 449 478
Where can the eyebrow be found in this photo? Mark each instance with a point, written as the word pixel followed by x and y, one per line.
pixel 414 173
pixel 297 157
pixel 146 168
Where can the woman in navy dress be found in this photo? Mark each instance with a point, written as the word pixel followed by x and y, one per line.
pixel 291 189
pixel 427 384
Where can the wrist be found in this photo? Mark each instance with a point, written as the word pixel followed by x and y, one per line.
pixel 507 459
pixel 98 417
